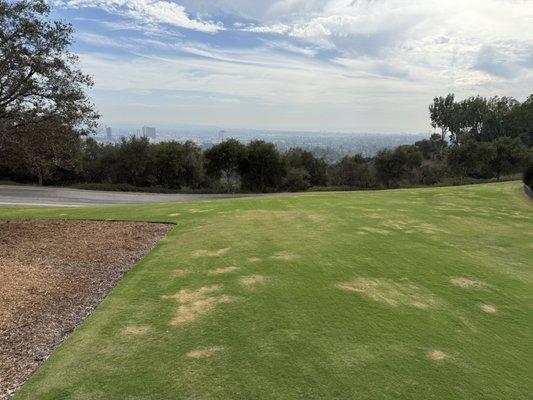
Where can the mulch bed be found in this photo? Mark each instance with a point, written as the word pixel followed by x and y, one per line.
pixel 52 275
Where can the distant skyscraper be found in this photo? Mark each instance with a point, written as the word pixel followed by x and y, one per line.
pixel 109 133
pixel 149 132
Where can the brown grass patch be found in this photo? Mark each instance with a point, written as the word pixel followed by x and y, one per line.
pixel 47 287
pixel 316 218
pixel 254 259
pixel 221 271
pixel 251 281
pixel 198 211
pixel 211 253
pixel 467 283
pixel 391 293
pixel 204 353
pixel 430 229
pixel 490 309
pixel 195 303
pixel 180 272
pixel 268 216
pixel 438 355
pixel 284 256
pixel 370 229
pixel 174 215
pixel 136 330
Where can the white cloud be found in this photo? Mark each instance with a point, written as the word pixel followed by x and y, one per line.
pixel 331 64
pixel 156 11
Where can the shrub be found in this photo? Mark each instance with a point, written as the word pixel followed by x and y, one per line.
pixel 296 180
pixel 528 176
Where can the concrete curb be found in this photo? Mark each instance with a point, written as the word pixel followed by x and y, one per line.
pixel 528 191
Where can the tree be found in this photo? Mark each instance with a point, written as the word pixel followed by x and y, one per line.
pixel 510 156
pixel 528 175
pixel 431 148
pixel 134 162
pixel 261 168
pixel 39 77
pixel 394 166
pixel 316 167
pixel 520 120
pixel 472 159
pixel 46 152
pixel 443 114
pixel 222 161
pixel 353 172
pixel 178 165
pixel 297 180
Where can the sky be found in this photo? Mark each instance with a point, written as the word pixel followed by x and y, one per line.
pixel 321 65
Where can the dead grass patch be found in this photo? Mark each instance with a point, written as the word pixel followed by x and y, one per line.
pixel 430 229
pixel 137 330
pixel 490 309
pixel 198 211
pixel 284 256
pixel 467 283
pixel 254 259
pixel 316 218
pixel 268 216
pixel 391 293
pixel 195 303
pixel 180 272
pixel 174 215
pixel 371 229
pixel 437 355
pixel 211 253
pixel 204 353
pixel 221 271
pixel 251 281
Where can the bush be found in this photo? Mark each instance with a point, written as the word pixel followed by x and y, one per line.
pixel 431 173
pixel 528 176
pixel 296 180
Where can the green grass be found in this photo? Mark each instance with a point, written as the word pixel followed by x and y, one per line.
pixel 298 335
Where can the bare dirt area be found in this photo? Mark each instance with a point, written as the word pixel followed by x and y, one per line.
pixel 52 275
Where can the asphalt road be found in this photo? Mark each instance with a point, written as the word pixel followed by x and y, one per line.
pixel 55 196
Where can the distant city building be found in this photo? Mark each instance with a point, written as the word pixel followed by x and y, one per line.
pixel 109 133
pixel 149 132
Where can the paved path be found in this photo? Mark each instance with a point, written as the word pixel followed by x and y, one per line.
pixel 55 196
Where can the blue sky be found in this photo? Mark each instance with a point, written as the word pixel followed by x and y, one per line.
pixel 333 65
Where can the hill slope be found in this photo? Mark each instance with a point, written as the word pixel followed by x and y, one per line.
pixel 407 294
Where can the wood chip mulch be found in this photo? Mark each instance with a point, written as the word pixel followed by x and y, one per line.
pixel 52 275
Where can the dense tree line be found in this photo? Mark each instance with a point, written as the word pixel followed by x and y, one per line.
pixel 462 152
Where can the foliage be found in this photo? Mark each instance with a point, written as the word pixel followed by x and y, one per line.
pixel 395 166
pixel 222 162
pixel 315 167
pixel 296 180
pixel 48 152
pixel 510 156
pixel 353 172
pixel 432 148
pixel 261 168
pixel 482 120
pixel 39 76
pixel 528 175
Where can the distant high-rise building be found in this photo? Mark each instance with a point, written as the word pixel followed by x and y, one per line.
pixel 109 133
pixel 149 132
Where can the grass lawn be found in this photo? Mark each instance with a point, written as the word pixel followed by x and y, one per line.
pixel 405 294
